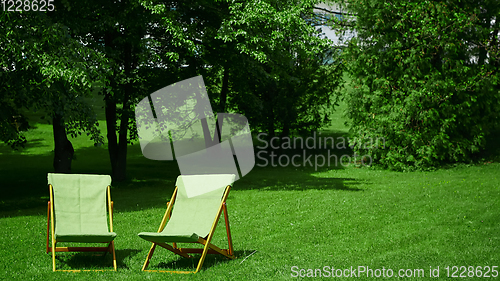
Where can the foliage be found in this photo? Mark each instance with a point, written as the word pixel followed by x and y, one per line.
pixel 425 80
pixel 257 58
pixel 44 69
pixel 124 33
pixel 281 84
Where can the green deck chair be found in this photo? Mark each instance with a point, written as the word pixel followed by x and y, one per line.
pixel 77 213
pixel 192 214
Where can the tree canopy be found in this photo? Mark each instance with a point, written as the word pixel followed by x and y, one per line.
pixel 43 68
pixel 260 58
pixel 425 80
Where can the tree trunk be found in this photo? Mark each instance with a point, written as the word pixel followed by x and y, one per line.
pixel 269 113
pixel 209 140
pixel 206 134
pixel 224 90
pixel 222 105
pixel 117 146
pixel 120 172
pixel 110 110
pixel 63 149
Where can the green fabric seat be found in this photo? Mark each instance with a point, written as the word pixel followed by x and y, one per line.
pixel 194 210
pixel 192 216
pixel 77 212
pixel 80 208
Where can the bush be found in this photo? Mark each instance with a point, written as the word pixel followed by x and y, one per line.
pixel 422 82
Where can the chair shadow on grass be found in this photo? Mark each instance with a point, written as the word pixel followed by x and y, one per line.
pixel 94 260
pixel 171 262
pixel 84 261
pixel 125 254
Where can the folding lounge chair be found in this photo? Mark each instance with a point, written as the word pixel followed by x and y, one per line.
pixel 192 214
pixel 77 213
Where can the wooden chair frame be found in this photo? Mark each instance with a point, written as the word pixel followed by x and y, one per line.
pixel 208 247
pixel 51 226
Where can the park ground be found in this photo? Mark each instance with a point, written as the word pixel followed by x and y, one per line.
pixel 284 220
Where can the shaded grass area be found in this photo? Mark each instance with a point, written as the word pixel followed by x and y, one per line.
pixel 280 217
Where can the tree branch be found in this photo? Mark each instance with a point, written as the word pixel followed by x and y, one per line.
pixel 334 12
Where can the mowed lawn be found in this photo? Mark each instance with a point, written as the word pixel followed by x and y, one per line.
pixel 284 220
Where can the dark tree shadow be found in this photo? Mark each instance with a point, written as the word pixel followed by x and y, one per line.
pixel 32 143
pixel 291 179
pixel 150 183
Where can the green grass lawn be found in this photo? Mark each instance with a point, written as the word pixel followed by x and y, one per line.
pixel 281 218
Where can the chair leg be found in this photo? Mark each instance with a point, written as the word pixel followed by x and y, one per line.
pixel 53 255
pixel 110 248
pixel 228 231
pixel 48 226
pixel 203 256
pixel 114 255
pixel 150 254
pixel 211 233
